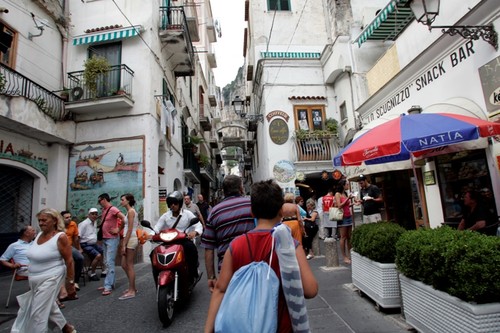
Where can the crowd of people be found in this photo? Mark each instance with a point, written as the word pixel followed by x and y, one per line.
pixel 54 258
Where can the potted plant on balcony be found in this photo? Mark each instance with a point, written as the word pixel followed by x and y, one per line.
pixel 94 72
pixel 450 280
pixel 194 142
pixel 373 255
pixel 203 160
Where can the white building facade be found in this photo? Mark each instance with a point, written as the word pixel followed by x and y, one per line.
pixel 69 134
pixel 371 61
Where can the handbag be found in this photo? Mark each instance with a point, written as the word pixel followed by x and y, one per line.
pixel 336 214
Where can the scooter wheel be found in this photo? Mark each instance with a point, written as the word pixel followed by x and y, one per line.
pixel 166 304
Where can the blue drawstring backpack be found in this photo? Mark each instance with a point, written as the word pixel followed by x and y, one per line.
pixel 250 303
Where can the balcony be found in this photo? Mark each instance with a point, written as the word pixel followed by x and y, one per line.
pixel 212 96
pixel 13 83
pixel 205 118
pixel 212 27
pixel 208 172
pixel 191 165
pixel 174 32
pixel 113 90
pixel 316 148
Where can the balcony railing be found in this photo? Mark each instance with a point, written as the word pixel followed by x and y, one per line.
pixel 117 81
pixel 208 172
pixel 191 165
pixel 174 31
pixel 13 83
pixel 316 149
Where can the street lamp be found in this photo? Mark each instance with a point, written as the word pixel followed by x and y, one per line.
pixel 239 106
pixel 425 12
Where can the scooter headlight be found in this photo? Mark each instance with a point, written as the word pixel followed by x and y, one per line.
pixel 168 236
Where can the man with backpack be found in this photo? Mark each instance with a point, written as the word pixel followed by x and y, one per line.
pixel 256 246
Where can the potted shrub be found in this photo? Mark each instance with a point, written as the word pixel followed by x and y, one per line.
pixel 450 280
pixel 94 72
pixel 204 160
pixel 373 255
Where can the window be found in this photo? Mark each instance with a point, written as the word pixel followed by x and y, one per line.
pixel 278 5
pixel 310 118
pixel 343 113
pixel 110 82
pixel 7 46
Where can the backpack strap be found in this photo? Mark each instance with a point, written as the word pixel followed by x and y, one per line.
pixel 270 254
pixel 177 221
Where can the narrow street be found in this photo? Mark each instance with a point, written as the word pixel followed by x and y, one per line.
pixel 337 308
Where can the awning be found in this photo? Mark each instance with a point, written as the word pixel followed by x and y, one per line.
pixel 389 23
pixel 105 36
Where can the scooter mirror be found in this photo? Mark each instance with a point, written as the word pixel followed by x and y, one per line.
pixel 193 221
pixel 146 224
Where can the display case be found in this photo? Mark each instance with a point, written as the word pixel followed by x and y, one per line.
pixel 458 173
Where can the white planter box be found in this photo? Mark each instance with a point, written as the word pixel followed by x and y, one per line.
pixel 431 310
pixel 378 281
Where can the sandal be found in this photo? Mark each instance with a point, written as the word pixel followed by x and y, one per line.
pixel 126 296
pixel 347 261
pixel 60 305
pixel 106 292
pixel 69 329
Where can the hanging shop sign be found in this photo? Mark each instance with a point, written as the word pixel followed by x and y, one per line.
pixel 278 131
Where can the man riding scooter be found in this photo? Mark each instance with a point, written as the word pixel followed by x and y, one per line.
pixel 180 218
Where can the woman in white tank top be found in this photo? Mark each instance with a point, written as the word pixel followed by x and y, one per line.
pixel 50 258
pixel 129 243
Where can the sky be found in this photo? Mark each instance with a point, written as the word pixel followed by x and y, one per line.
pixel 229 47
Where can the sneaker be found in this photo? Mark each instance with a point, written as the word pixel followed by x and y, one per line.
pixel 309 256
pixel 94 277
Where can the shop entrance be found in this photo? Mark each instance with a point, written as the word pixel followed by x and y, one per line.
pixel 16 200
pixel 400 198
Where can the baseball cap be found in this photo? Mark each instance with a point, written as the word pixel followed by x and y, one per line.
pixel 93 210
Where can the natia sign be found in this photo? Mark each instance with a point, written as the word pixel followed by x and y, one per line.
pixel 423 80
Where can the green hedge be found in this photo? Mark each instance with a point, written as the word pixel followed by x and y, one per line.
pixel 464 264
pixel 377 241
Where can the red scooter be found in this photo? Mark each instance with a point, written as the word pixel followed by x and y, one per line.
pixel 174 283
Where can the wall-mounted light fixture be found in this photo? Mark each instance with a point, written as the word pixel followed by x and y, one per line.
pixel 415 109
pixel 425 12
pixel 240 105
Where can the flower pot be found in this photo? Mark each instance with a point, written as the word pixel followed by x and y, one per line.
pixel 431 310
pixel 376 280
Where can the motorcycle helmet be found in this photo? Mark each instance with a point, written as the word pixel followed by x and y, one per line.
pixel 174 197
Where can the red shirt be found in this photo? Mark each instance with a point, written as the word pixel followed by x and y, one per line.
pixel 260 243
pixel 110 222
pixel 327 202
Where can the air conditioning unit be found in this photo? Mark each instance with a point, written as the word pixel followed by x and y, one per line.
pixel 76 93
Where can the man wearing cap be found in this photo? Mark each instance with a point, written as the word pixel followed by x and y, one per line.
pixel 88 241
pixel 371 199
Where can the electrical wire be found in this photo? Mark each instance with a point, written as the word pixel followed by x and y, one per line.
pixel 288 47
pixel 157 59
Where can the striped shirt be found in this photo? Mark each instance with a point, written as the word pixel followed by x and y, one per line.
pixel 229 219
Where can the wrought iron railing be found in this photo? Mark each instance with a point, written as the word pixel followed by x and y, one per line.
pixel 209 169
pixel 13 83
pixel 116 81
pixel 190 161
pixel 174 18
pixel 316 149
